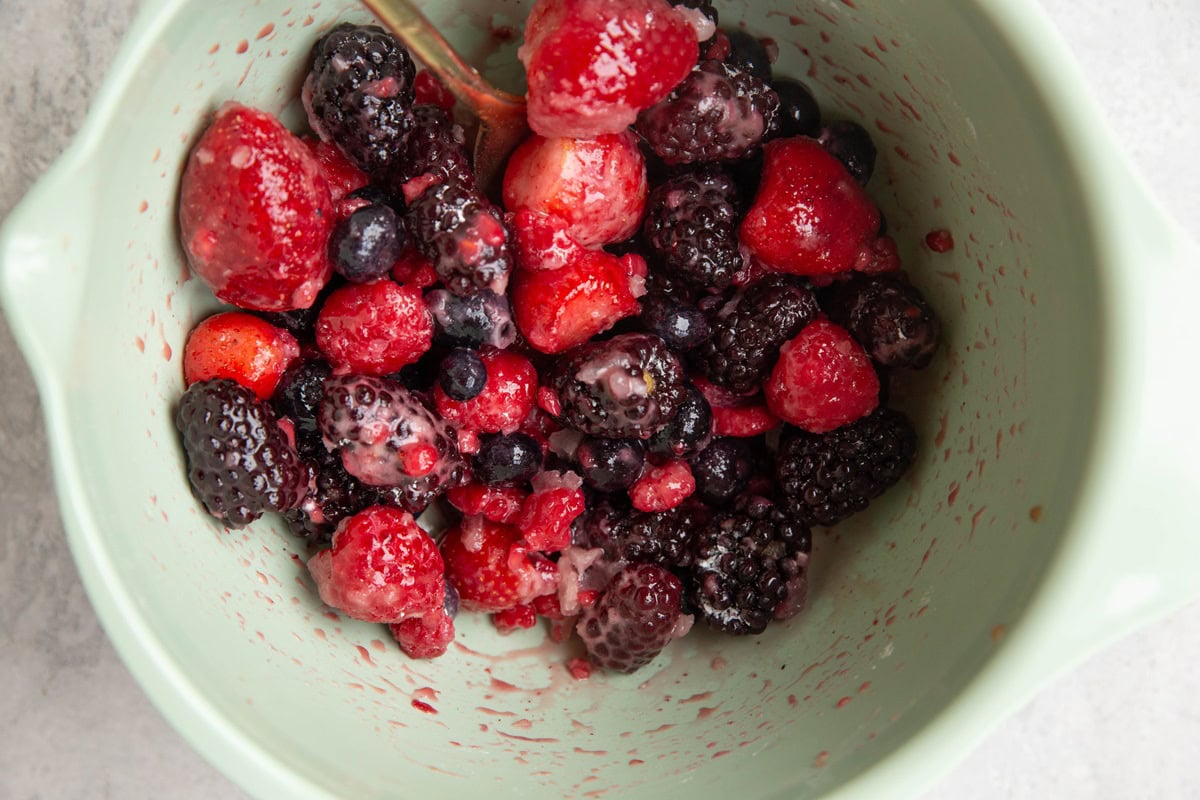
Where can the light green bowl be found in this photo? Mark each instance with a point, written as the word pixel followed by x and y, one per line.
pixel 1045 515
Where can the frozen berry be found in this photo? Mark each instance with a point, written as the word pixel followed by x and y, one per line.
pixel 299 393
pixel 702 16
pixel 689 431
pixel 506 400
pixel 428 90
pixel 462 233
pixel 547 513
pixel 748 53
pixel 823 380
pixel 521 617
pixel 723 470
pixel 663 486
pixel 241 347
pixel 462 374
pixel 434 151
pixel 374 328
pixel 639 613
pixel 852 145
pixel 740 415
pixel 799 114
pixel 681 326
pixel 492 567
pixel 496 503
pixel 426 636
pixel 471 320
pixel 511 458
pixel 543 241
pixel 889 317
pixel 610 465
pixel 333 495
pixel 255 213
pixel 664 538
pixel 365 245
pixel 690 227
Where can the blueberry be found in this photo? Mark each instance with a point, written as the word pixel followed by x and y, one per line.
pixel 723 470
pixel 682 327
pixel 748 54
pixel 610 465
pixel 365 245
pixel 505 458
pixel 852 145
pixel 463 374
pixel 450 601
pixel 799 114
pixel 472 320
pixel 689 431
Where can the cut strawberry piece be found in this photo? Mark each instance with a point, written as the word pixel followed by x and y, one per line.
pixel 592 65
pixel 598 186
pixel 823 380
pixel 492 567
pixel 542 241
pixel 343 176
pixel 255 213
pixel 374 328
pixel 241 347
pixel 663 487
pixel 427 636
pixel 506 399
pixel 382 567
pixel 810 216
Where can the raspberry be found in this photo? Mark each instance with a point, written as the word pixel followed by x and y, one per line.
pixel 344 177
pixel 241 347
pixel 462 374
pixel 520 617
pixel 889 317
pixel 681 326
pixel 374 328
pixel 663 487
pixel 382 567
pixel 435 150
pixel 736 415
pixel 239 460
pixel 610 465
pixel 637 616
pixel 512 458
pixel 691 227
pixel 504 403
pixel 359 92
pixel 825 478
pixel 472 320
pixel 940 240
pixel 495 503
pixel 561 308
pixel 664 538
pixel 810 217
pixel 750 565
pixel 823 380
pixel 718 113
pixel 547 514
pixel 255 213
pixel 372 420
pixel 689 431
pixel 748 330
pixel 852 145
pixel 596 186
pixel 427 636
pixel 626 387
pixel 592 65
pixel 461 232
pixel 723 470
pixel 492 568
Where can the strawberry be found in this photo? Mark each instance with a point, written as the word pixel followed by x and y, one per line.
pixel 663 487
pixel 426 636
pixel 374 328
pixel 492 567
pixel 382 567
pixel 809 217
pixel 637 616
pixel 241 347
pixel 255 213
pixel 343 176
pixel 592 65
pixel 543 241
pixel 506 399
pixel 516 618
pixel 598 186
pixel 823 380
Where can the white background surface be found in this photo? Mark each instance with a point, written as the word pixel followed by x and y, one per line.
pixel 73 724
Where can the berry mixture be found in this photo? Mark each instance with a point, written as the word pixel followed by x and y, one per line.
pixel 632 383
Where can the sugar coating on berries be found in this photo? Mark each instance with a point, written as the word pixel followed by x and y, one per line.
pixel 492 567
pixel 506 399
pixel 823 380
pixel 374 328
pixel 255 213
pixel 691 227
pixel 464 235
pixel 241 347
pixel 639 613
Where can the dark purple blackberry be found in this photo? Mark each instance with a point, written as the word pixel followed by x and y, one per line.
pixel 626 387
pixel 463 234
pixel 723 470
pixel 889 317
pixel 749 567
pixel 240 463
pixel 748 53
pixel 690 228
pixel 436 146
pixel 471 320
pixel 507 458
pixel 681 326
pixel 365 245
pixel 748 330
pixel 334 495
pixel 852 145
pixel 824 478
pixel 298 394
pixel 359 92
pixel 626 536
pixel 372 420
pixel 462 375
pixel 689 431
pixel 610 465
pixel 799 114
pixel 718 113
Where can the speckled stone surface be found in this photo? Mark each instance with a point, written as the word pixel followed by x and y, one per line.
pixel 73 724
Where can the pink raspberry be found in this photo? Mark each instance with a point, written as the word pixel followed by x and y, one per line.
pixel 547 514
pixel 823 380
pixel 374 328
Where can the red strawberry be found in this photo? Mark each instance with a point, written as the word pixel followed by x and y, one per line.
pixel 547 514
pixel 374 328
pixel 663 487
pixel 496 503
pixel 255 213
pixel 810 216
pixel 558 309
pixel 592 65
pixel 343 176
pixel 597 186
pixel 636 617
pixel 492 567
pixel 542 241
pixel 427 636
pixel 241 347
pixel 823 380
pixel 382 567
pixel 506 399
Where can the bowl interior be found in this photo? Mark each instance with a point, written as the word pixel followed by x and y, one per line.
pixel 908 600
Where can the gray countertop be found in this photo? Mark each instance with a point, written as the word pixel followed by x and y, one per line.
pixel 74 724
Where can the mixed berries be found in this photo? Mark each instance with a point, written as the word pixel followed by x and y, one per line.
pixel 633 383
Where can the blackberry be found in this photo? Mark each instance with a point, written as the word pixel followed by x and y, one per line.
pixel 723 470
pixel 462 374
pixel 825 478
pixel 749 328
pixel 799 114
pixel 681 326
pixel 749 566
pixel 610 465
pixel 299 392
pixel 471 320
pixel 366 244
pixel 689 431
pixel 665 538
pixel 748 53
pixel 436 146
pixel 634 619
pixel 852 145
pixel 690 227
pixel 358 93
pixel 334 495
pixel 626 387
pixel 240 463
pixel 889 317
pixel 717 113
pixel 507 458
pixel 463 234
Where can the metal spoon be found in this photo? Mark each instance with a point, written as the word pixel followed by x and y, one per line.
pixel 502 121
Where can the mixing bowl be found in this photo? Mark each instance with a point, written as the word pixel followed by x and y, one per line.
pixel 1044 516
